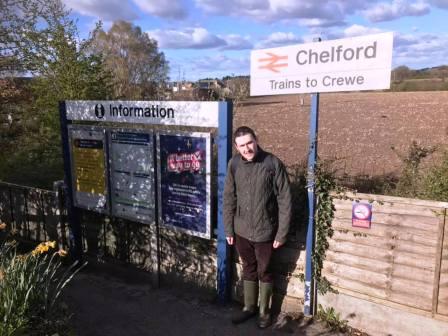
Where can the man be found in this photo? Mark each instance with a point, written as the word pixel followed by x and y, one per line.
pixel 257 214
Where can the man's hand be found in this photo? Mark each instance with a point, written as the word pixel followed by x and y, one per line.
pixel 276 244
pixel 229 240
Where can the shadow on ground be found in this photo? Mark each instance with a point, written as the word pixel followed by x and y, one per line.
pixel 104 304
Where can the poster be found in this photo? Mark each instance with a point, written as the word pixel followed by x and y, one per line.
pixel 88 168
pixel 132 175
pixel 184 183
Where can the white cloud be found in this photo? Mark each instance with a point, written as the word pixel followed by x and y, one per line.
pixel 358 30
pixel 220 63
pixel 215 66
pixel 173 9
pixel 236 42
pixel 320 23
pixel 440 3
pixel 278 39
pixel 306 12
pixel 189 38
pixel 108 10
pixel 198 38
pixel 420 50
pixel 398 8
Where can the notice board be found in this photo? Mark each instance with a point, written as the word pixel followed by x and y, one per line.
pixel 132 182
pixel 88 152
pixel 184 182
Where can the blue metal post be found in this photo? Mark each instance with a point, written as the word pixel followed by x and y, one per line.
pixel 312 158
pixel 75 243
pixel 224 153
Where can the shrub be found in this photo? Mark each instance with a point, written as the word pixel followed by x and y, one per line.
pixel 30 285
pixel 436 181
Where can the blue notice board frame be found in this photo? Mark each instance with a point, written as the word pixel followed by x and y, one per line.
pixel 168 113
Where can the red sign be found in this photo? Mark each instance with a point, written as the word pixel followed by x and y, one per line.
pixel 362 215
pixel 181 162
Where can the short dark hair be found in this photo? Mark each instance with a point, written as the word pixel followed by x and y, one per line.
pixel 243 130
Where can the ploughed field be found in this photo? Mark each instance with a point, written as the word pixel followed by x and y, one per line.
pixel 358 129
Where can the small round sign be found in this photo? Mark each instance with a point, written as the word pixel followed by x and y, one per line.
pixel 361 211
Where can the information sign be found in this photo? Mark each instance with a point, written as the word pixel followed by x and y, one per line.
pixel 132 175
pixel 184 182
pixel 175 113
pixel 87 148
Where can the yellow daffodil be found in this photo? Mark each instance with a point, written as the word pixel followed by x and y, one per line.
pixel 62 252
pixel 43 247
pixel 2 226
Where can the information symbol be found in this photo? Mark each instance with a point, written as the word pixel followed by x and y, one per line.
pixel 99 111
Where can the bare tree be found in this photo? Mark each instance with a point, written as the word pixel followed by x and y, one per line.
pixel 239 90
pixel 140 71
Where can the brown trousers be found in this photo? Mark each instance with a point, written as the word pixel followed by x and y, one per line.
pixel 256 259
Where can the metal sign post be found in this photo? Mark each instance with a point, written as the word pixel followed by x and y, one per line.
pixel 310 285
pixel 224 252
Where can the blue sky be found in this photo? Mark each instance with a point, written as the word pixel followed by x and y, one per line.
pixel 211 38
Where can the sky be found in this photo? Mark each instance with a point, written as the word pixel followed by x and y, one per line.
pixel 214 38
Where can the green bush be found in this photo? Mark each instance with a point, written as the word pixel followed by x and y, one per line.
pixel 30 285
pixel 436 181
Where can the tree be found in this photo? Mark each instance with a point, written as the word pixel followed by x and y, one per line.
pixel 239 90
pixel 401 73
pixel 139 70
pixel 43 39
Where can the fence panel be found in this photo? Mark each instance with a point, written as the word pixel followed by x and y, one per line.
pixel 397 258
pixel 33 214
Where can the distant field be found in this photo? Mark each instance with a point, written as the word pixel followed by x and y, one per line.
pixel 358 128
pixel 420 84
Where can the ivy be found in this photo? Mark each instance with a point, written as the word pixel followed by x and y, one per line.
pixel 325 187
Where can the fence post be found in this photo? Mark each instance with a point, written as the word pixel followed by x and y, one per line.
pixel 72 213
pixel 59 204
pixel 438 266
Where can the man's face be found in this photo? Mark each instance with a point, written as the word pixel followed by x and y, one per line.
pixel 246 145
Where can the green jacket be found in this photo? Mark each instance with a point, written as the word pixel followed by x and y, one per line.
pixel 254 208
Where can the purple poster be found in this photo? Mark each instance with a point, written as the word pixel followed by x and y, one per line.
pixel 184 188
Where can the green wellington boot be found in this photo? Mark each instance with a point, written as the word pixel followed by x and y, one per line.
pixel 250 302
pixel 264 319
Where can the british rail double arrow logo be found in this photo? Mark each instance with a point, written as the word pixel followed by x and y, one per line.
pixel 273 62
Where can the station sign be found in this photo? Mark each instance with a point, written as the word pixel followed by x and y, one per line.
pixel 351 64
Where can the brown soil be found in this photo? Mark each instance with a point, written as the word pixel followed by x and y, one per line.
pixel 357 128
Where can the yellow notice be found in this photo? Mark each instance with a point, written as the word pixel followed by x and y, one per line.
pixel 88 158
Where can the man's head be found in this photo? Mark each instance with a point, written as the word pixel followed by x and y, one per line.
pixel 246 142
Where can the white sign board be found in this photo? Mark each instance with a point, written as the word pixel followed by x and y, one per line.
pixel 132 175
pixel 179 113
pixel 351 64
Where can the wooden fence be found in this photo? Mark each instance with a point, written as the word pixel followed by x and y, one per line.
pixel 34 215
pixel 401 259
